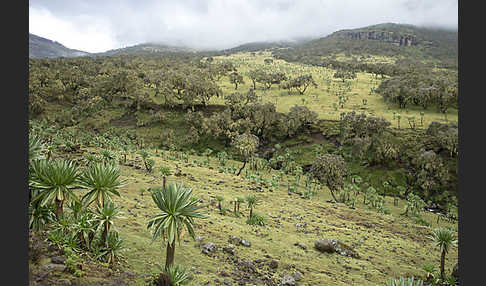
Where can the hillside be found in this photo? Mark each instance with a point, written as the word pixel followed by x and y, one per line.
pixel 145 49
pixel 44 48
pixel 344 176
pixel 390 40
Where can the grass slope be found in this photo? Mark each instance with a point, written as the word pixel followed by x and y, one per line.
pixel 393 246
pixel 322 98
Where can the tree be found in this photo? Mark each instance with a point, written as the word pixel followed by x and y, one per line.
pixel 255 76
pixel 55 181
pixel 251 200
pixel 445 240
pixel 344 74
pixel 102 181
pixel 178 210
pixel 245 145
pixel 164 172
pixel 298 119
pixel 430 174
pixel 238 100
pixel 300 83
pixel 330 170
pixel 236 79
pixel 105 219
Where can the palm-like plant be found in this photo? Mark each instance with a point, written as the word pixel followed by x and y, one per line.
pixel 40 217
pixel 445 239
pixel 164 172
pixel 251 200
pixel 36 148
pixel 55 181
pixel 114 247
pixel 408 282
pixel 219 199
pixel 105 219
pixel 83 227
pixel 178 210
pixel 145 156
pixel 102 181
pixel 178 275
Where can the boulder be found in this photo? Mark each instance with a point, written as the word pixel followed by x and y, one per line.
pixel 209 247
pixel 273 264
pixel 234 240
pixel 331 245
pixel 288 280
pixel 58 259
pixel 301 245
pixel 245 243
pixel 230 248
pixel 54 267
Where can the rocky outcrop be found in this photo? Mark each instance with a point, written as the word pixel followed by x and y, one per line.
pixel 331 245
pixel 390 37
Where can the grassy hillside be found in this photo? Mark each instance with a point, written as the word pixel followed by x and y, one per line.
pixel 389 245
pixel 323 98
pixel 429 45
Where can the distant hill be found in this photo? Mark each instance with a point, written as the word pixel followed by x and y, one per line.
pixel 388 39
pixel 145 49
pixel 44 48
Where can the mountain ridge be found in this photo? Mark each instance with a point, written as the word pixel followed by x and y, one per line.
pixel 40 47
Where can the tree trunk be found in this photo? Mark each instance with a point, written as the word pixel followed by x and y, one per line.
pixel 59 209
pixel 164 181
pixel 333 196
pixel 442 262
pixel 105 232
pixel 251 212
pixel 235 202
pixel 169 258
pixel 244 163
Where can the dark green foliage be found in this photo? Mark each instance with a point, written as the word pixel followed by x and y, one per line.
pixel 344 74
pixel 55 182
pixel 236 79
pixel 445 137
pixel 421 88
pixel 431 175
pixel 330 170
pixel 300 83
pixel 411 281
pixel 298 119
pixel 256 219
pixel 102 182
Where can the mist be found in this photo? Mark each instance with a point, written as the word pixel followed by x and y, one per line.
pixel 98 26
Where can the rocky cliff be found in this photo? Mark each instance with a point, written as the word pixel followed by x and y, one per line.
pixel 390 37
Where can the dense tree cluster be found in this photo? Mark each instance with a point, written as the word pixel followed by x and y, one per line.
pixel 367 136
pixel 89 84
pixel 421 88
pixel 266 78
pixel 244 113
pixel 444 137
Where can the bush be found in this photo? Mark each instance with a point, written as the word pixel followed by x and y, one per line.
pixel 405 282
pixel 256 220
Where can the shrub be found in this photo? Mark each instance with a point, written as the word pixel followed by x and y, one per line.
pixel 256 220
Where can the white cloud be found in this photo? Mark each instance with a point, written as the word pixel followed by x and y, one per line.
pixel 93 35
pixel 220 23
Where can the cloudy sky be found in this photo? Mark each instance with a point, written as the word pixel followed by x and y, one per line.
pixel 97 26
